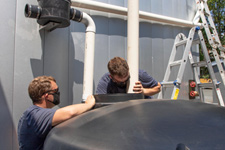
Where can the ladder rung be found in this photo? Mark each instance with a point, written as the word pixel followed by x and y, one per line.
pixel 207 14
pixel 205 11
pixel 167 84
pixel 222 48
pixel 175 63
pixel 206 85
pixel 213 28
pixel 196 41
pixel 181 43
pixel 199 64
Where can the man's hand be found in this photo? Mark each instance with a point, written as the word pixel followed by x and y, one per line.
pixel 138 88
pixel 90 100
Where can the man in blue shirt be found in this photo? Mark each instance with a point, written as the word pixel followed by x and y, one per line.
pixel 115 81
pixel 39 119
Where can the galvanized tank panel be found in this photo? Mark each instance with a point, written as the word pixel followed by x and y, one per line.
pixel 76 64
pixel 102 28
pixel 55 51
pixel 145 44
pixel 8 139
pixel 27 61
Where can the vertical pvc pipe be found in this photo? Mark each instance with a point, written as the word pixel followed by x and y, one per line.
pixel 89 56
pixel 133 42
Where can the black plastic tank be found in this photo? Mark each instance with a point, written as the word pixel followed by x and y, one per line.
pixel 143 125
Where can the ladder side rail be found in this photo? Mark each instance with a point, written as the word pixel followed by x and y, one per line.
pixel 202 8
pixel 211 72
pixel 161 93
pixel 180 74
pixel 172 56
pixel 215 54
pixel 195 71
pixel 167 73
pixel 219 65
pixel 185 55
pixel 205 25
pixel 201 94
pixel 178 38
pixel 175 92
pixel 215 34
pixel 171 59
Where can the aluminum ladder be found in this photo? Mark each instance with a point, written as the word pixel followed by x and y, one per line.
pixel 212 35
pixel 182 41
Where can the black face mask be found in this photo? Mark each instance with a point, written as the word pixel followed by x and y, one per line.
pixel 56 100
pixel 121 84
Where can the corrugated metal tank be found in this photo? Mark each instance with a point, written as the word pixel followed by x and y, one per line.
pixel 27 52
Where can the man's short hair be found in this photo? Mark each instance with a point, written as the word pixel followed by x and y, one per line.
pixel 118 66
pixel 39 86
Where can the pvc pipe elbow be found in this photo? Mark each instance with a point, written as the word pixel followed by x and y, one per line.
pixel 89 23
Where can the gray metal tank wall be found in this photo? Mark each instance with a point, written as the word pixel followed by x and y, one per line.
pixel 27 52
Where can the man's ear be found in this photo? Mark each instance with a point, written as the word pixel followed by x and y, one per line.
pixel 45 95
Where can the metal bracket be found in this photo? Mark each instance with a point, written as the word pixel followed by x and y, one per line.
pixel 50 26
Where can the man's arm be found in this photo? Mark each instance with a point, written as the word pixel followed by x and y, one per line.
pixel 138 88
pixel 70 111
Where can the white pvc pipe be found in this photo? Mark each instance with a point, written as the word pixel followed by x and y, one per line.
pixel 93 5
pixel 89 55
pixel 133 41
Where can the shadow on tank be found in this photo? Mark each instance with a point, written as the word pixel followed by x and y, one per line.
pixel 143 124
